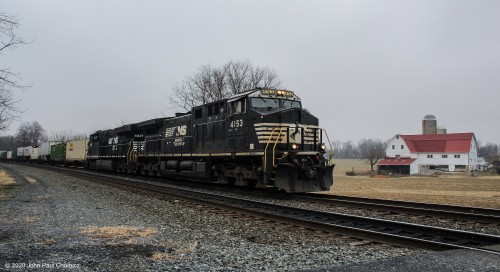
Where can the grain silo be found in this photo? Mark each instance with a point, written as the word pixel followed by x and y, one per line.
pixel 429 124
pixel 441 130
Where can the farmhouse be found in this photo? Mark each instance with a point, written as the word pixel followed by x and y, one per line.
pixel 414 154
pixel 434 150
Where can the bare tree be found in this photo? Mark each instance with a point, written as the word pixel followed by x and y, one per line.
pixel 242 76
pixel 214 83
pixel 371 150
pixel 65 136
pixel 8 143
pixel 207 85
pixel 8 79
pixel 30 134
pixel 346 150
pixel 489 151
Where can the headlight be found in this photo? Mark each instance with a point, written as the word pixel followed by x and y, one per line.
pixel 322 146
pixel 294 146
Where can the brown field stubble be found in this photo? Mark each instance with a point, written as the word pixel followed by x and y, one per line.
pixel 453 189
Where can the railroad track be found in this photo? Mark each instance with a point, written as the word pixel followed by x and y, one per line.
pixel 472 214
pixel 484 215
pixel 384 231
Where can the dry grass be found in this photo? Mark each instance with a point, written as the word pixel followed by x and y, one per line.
pixel 344 165
pixel 119 232
pixel 49 242
pixel 5 179
pixel 176 254
pixel 453 189
pixel 30 219
pixel 31 180
pixel 6 184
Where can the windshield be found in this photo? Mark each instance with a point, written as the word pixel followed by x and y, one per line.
pixel 289 104
pixel 259 102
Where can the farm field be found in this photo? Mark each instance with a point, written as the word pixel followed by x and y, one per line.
pixel 453 189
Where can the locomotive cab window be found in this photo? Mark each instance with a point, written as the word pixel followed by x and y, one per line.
pixel 291 104
pixel 238 106
pixel 266 103
pixel 215 109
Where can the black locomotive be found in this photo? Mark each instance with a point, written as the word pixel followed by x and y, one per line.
pixel 261 137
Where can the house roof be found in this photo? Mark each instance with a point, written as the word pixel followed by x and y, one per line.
pixel 440 143
pixel 397 161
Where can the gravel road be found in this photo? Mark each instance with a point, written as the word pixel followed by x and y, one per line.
pixel 51 220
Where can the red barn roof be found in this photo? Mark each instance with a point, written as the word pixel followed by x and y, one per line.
pixel 439 143
pixel 399 161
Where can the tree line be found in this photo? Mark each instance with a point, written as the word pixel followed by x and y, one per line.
pixel 33 134
pixel 374 150
pixel 371 150
pixel 491 153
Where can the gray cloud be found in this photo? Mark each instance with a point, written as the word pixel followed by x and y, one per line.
pixel 367 69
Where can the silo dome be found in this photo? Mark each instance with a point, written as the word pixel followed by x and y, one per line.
pixel 430 117
pixel 429 124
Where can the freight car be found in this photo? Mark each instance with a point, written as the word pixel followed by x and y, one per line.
pixel 262 137
pixel 76 152
pixel 44 151
pixel 58 153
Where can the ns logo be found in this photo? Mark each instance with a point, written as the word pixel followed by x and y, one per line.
pixel 181 130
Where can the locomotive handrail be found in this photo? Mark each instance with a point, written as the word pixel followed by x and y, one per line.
pixel 265 150
pixel 275 143
pixel 330 158
pixel 129 152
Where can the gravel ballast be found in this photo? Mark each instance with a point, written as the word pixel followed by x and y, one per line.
pixel 52 219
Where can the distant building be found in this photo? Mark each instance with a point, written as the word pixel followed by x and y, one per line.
pixel 424 153
pixel 482 164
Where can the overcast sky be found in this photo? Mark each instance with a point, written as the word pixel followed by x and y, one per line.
pixel 366 69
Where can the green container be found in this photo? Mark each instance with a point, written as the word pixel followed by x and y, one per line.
pixel 3 155
pixel 14 154
pixel 58 152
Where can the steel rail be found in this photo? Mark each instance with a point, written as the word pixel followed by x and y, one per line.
pixel 385 231
pixel 484 215
pixel 475 214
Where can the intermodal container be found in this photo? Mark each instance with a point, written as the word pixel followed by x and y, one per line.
pixel 58 152
pixel 44 151
pixel 76 150
pixel 20 152
pixel 34 153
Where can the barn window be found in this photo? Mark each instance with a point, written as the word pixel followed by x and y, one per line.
pixel 457 156
pixel 402 147
pixel 393 146
pixel 429 156
pixel 444 156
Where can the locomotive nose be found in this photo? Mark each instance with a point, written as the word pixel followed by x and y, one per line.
pixel 293 115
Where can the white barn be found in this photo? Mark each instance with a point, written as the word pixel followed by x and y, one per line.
pixel 423 153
